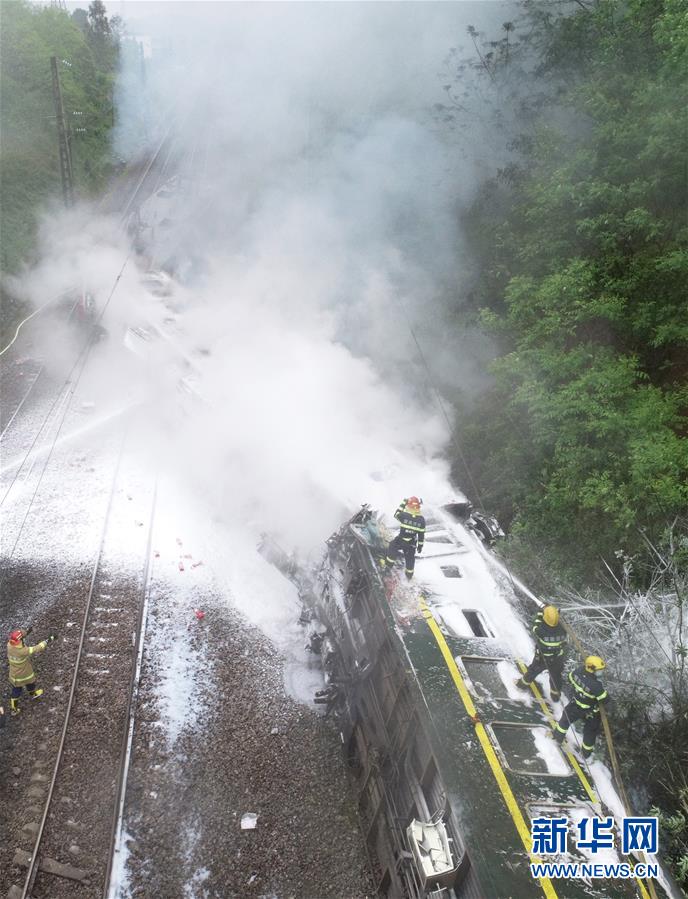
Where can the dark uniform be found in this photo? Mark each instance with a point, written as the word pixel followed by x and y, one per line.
pixel 549 654
pixel 588 695
pixel 409 540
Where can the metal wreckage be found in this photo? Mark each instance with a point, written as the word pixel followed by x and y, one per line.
pixel 445 762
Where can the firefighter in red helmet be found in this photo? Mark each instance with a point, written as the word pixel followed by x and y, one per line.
pixel 21 671
pixel 411 537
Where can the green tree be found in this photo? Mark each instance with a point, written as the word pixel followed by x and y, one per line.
pixel 583 246
pixel 29 169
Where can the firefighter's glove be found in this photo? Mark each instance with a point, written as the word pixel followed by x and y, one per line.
pixel 419 550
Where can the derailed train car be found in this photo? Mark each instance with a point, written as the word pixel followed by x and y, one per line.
pixel 450 767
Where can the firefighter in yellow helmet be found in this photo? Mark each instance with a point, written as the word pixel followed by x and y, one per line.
pixel 411 537
pixel 21 670
pixel 588 695
pixel 550 649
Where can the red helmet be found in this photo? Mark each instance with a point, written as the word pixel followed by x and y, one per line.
pixel 16 637
pixel 413 503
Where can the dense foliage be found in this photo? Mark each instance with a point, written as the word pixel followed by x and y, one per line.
pixel 580 444
pixel 87 59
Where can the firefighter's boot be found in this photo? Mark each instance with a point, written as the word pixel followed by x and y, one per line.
pixel 14 706
pixel 558 737
pixel 521 684
pixel 586 751
pixel 409 575
pixel 37 693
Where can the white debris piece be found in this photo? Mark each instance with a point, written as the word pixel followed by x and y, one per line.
pixel 249 821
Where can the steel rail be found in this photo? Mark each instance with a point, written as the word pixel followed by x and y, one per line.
pixel 128 735
pixel 21 403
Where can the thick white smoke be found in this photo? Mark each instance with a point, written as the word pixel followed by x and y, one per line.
pixel 313 218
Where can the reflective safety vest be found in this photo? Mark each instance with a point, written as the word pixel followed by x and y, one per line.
pixel 588 692
pixel 412 526
pixel 551 641
pixel 19 658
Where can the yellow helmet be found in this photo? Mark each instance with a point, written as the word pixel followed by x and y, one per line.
pixel 594 663
pixel 550 615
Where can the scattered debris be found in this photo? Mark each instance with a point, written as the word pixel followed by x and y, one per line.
pixel 249 821
pixel 200 614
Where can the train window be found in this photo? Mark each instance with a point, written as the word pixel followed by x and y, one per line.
pixel 357 583
pixel 420 754
pixel 450 570
pixel 486 676
pixel 459 511
pixel 401 713
pixel 477 623
pixel 528 749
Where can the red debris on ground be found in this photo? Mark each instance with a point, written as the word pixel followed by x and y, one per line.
pixel 200 614
pixel 181 565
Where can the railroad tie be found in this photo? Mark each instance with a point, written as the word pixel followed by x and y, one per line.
pixel 50 866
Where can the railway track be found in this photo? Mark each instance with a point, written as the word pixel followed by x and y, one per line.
pixel 77 786
pixel 29 371
pixel 147 182
pixel 76 794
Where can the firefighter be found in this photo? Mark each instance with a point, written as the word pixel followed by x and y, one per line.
pixel 21 671
pixel 588 695
pixel 411 537
pixel 550 647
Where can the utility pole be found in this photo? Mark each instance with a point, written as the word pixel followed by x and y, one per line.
pixel 63 139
